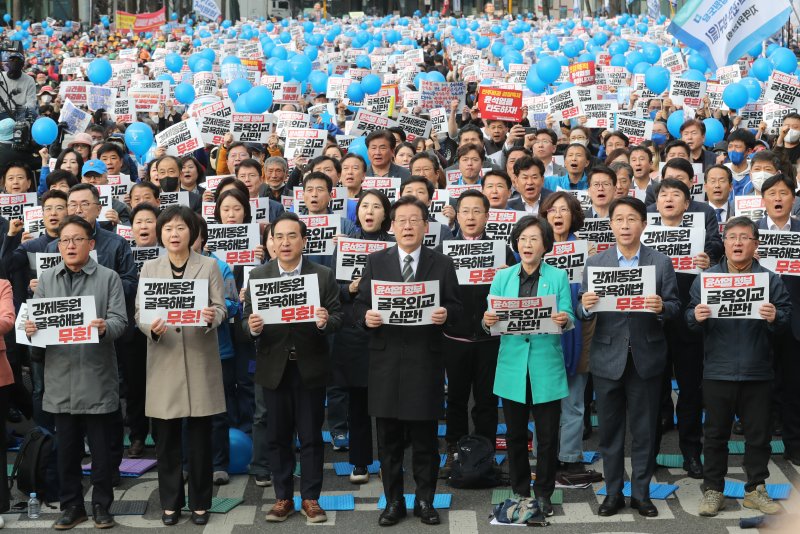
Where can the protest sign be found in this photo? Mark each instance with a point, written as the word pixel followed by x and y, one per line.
pixel 351 256
pixel 414 126
pixel 752 115
pixel 321 229
pixel 259 208
pixel 500 223
pixel 143 254
pixel 680 244
pixel 178 302
pixel 292 299
pixel 622 288
pixel 500 104
pixel 99 97
pixel 569 256
pixel 455 190
pixel 388 186
pixel 729 74
pixel 524 315
pixel 125 232
pixel 597 231
pixel 598 113
pixel 441 198
pixel 405 304
pixel 687 92
pixel 690 219
pixel 366 123
pixel 672 61
pixel 564 105
pixel 123 110
pixel 774 114
pixel 19 327
pixel 34 220
pixel 582 73
pixel 440 94
pixel 750 206
pixel 12 205
pixel 148 95
pixel 433 236
pixel 181 138
pixel 615 76
pixel 76 119
pixel 637 130
pixel 204 83
pixel 476 261
pixel 76 92
pixel 236 243
pixel 214 121
pixel 251 128
pixel 438 120
pixel 783 89
pixel 779 251
pixel 382 102
pixel 734 296
pixel 173 198
pixel 207 8
pixel 305 143
pixel 63 320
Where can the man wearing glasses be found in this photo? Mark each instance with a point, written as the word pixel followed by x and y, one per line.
pixel 544 147
pixel 406 363
pixel 738 373
pixel 602 184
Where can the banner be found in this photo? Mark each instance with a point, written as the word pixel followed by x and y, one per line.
pixel 476 261
pixel 405 304
pixel 142 22
pixel 722 31
pixel 622 288
pixel 734 296
pixel 62 320
pixel 178 302
pixel 292 299
pixel 351 256
pixel 570 256
pixel 525 315
pixel 500 104
pixel 779 251
pixel 207 8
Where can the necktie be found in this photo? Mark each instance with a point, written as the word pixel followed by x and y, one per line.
pixel 408 272
pixel 719 214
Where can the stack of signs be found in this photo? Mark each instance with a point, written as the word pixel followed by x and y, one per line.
pixel 321 229
pixel 779 251
pixel 293 299
pixel 62 320
pixel 524 315
pixel 181 139
pixel 571 257
pixel 622 288
pixel 405 304
pixel 476 261
pixel 734 296
pixel 235 244
pixel 351 256
pixel 597 231
pixel 500 223
pixel 178 302
pixel 680 244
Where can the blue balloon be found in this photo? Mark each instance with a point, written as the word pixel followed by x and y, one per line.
pixel 279 52
pixel 656 79
pixel 600 38
pixel 311 52
pixel 285 37
pixel 432 76
pixel 318 81
pixel 192 61
pixel 632 59
pixel 735 96
pixel 761 69
pixel 241 451
pixel 208 54
pixel 784 60
pixel 363 62
pixel 553 44
pixel 184 93
pixel 358 146
pixel 283 68
pixel 99 71
pixel 617 60
pixel 139 138
pixel 548 69
pixel 696 62
pixel 641 67
pixel 231 60
pixel 173 62
pixel 355 92
pixel 756 50
pixel 497 48
pixel 534 83
pixel 259 99
pixel 301 67
pixel 674 123
pixel 694 75
pixel 44 131
pixel 167 78
pixel 753 88
pixel 714 132
pixel 7 18
pixel 238 87
pixel 241 105
pixel 652 53
pixel 203 65
pixel 371 83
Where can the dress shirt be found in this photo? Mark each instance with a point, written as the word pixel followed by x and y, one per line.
pixel 414 259
pixel 773 226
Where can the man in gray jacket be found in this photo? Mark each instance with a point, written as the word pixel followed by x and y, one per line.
pixel 738 374
pixel 81 382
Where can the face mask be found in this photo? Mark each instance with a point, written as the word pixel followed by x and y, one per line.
pixel 169 184
pixel 792 136
pixel 659 138
pixel 736 157
pixel 14 69
pixel 653 114
pixel 758 178
pixel 583 142
pixel 46 99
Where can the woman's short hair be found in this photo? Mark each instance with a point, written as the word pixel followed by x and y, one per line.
pixel 548 238
pixel 573 204
pixel 240 197
pixel 386 223
pixel 184 213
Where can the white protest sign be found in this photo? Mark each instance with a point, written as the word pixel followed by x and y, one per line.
pixel 178 302
pixel 252 128
pixel 366 122
pixel 569 256
pixel 12 205
pixel 750 206
pixel 441 198
pixel 414 126
pixel 19 327
pixel 214 121
pixel 565 105
pixel 235 244
pixel 305 143
pixel 63 320
pixel 438 120
pixel 143 254
pixel 476 261
pixel 734 296
pixel 779 251
pixel 181 138
pixel 34 220
pixel 637 130
pixel 76 119
pixel 388 186
pixel 680 244
pixel 597 231
pixel 598 112
pixel 440 94
pixel 321 229
pixel 351 256
pixel 405 304
pixel 622 289
pixel 783 89
pixel 525 315
pixel 500 223
pixel 293 299
pixel 687 92
pixel 99 97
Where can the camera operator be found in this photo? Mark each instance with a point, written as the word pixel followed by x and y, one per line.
pixel 19 87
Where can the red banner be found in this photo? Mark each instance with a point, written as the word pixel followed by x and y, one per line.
pixel 582 73
pixel 141 22
pixel 500 104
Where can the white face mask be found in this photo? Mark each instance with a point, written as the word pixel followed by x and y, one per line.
pixel 792 136
pixel 758 178
pixel 583 142
pixel 46 99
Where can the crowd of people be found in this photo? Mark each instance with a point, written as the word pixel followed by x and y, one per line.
pixel 370 380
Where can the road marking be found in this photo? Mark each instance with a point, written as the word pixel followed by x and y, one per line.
pixel 462 521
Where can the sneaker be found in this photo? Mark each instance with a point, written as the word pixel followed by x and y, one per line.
pixel 136 450
pixel 759 500
pixel 340 442
pixel 360 475
pixel 281 510
pixel 447 468
pixel 313 511
pixel 262 481
pixel 711 503
pixel 221 478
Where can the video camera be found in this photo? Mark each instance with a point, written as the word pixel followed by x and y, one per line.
pixel 22 139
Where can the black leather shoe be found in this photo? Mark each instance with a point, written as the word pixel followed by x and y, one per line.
pixel 545 506
pixel 170 519
pixel 426 512
pixel 72 516
pixel 394 512
pixel 102 518
pixel 200 519
pixel 611 505
pixel 645 507
pixel 693 467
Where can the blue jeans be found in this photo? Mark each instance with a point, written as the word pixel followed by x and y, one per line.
pixel 259 465
pixel 338 402
pixel 572 406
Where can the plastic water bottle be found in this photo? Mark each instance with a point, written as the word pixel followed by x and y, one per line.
pixel 34 507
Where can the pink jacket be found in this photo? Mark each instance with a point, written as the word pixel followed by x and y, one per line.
pixel 7 317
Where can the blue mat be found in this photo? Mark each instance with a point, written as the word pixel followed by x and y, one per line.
pixel 442 431
pixel 657 491
pixel 326 436
pixel 674 385
pixel 735 490
pixel 531 426
pixel 501 429
pixel 331 503
pixel 499 458
pixel 344 468
pixel 440 500
pixel 590 457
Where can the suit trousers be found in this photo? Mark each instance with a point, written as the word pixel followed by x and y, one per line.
pixel 752 402
pixel 786 353
pixel 99 430
pixel 134 366
pixel 259 464
pixel 169 453
pixel 547 417
pixel 639 399
pixel 293 407
pixel 360 427
pixel 424 456
pixel 470 368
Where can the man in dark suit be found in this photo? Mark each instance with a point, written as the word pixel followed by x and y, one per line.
pixel 628 356
pixel 602 184
pixel 406 364
pixel 293 368
pixel 529 182
pixel 718 187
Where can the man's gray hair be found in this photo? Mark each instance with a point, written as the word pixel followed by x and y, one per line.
pixel 277 160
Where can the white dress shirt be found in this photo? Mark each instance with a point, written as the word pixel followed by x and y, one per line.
pixel 772 226
pixel 414 262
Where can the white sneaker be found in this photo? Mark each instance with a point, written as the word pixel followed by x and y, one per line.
pixel 2 522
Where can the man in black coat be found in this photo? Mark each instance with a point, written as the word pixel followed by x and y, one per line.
pixel 406 365
pixel 293 368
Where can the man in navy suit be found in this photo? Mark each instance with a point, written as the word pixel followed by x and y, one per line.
pixel 529 182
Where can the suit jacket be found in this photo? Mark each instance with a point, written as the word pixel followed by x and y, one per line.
pixel 792 283
pixel 406 365
pixel 519 205
pixel 309 342
pixel 643 332
pixel 184 373
pixel 558 170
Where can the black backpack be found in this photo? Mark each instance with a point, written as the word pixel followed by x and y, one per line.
pixel 474 467
pixel 30 466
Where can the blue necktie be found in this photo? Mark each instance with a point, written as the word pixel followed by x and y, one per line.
pixel 719 213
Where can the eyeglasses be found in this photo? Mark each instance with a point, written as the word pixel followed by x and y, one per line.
pixel 543 142
pixel 413 221
pixel 558 211
pixel 423 170
pixel 51 209
pixel 528 240
pixel 475 211
pixel 77 241
pixel 739 238
pixel 82 205
pixel 602 185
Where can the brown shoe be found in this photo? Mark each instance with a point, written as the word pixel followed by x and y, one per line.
pixel 282 509
pixel 136 450
pixel 313 512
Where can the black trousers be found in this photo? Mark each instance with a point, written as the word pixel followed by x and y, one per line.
pixel 471 367
pixel 547 416
pixel 786 353
pixel 392 435
pixel 169 449
pixel 133 357
pixel 361 454
pixel 752 401
pixel 4 492
pixel 99 430
pixel 638 399
pixel 293 407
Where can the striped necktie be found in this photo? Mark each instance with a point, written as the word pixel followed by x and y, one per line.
pixel 408 272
